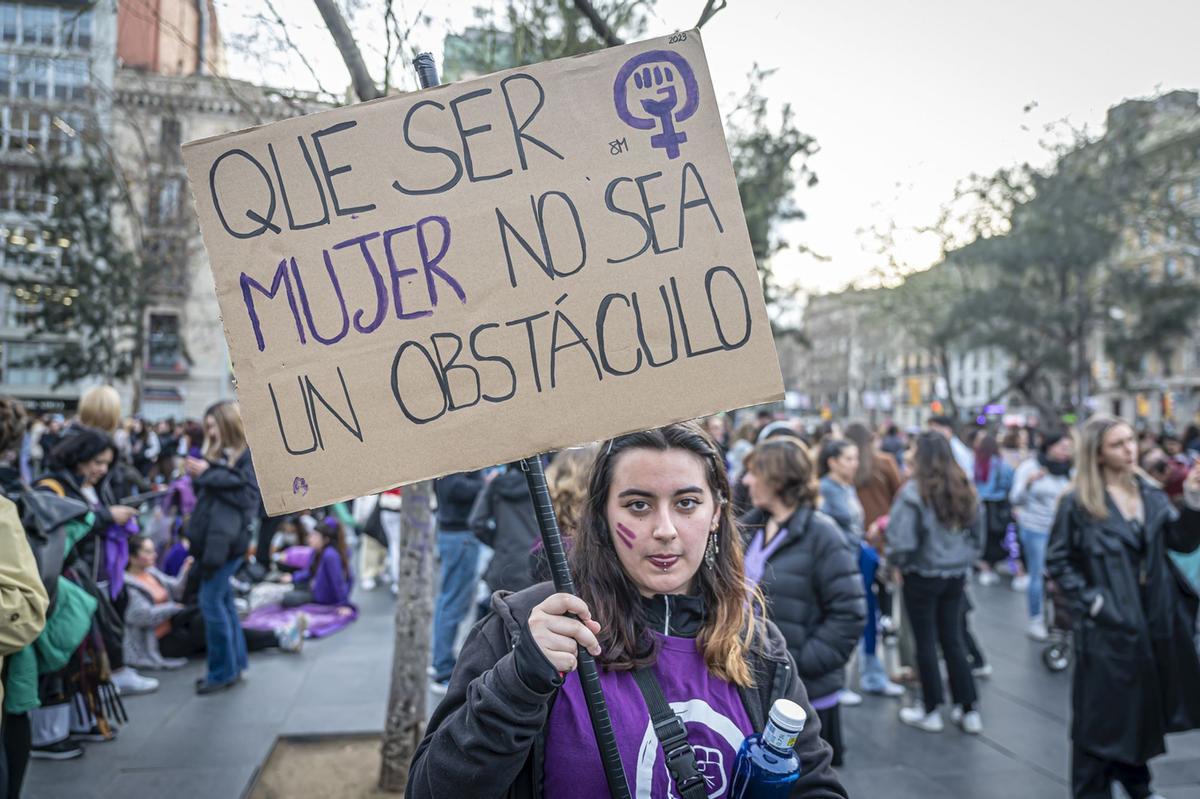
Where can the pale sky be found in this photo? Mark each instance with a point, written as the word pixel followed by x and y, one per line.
pixel 905 97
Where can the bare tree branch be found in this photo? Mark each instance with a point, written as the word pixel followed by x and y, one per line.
pixel 598 24
pixel 364 86
pixel 287 38
pixel 710 10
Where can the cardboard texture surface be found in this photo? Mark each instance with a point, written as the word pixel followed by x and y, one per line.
pixel 459 277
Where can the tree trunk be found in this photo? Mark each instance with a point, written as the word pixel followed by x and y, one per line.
pixel 405 724
pixel 364 86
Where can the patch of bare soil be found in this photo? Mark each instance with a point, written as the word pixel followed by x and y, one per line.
pixel 327 767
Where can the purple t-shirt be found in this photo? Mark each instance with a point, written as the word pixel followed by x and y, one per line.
pixel 710 707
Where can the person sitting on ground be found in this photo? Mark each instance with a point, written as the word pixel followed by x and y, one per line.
pixel 154 597
pixel 662 599
pixel 327 579
pixel 162 631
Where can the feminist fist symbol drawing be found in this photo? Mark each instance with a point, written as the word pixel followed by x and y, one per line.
pixel 657 77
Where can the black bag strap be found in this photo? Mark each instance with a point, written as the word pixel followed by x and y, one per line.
pixel 672 735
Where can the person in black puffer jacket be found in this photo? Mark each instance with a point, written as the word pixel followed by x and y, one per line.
pixel 807 572
pixel 227 499
pixel 504 519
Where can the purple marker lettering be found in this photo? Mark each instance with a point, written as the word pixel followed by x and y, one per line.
pixel 627 535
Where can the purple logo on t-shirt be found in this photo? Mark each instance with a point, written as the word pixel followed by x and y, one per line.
pixel 715 762
pixel 710 708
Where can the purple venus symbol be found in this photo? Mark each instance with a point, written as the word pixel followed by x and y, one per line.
pixel 657 76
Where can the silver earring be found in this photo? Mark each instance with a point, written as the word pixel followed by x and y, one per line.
pixel 712 550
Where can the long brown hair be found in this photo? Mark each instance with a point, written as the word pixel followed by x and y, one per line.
pixel 864 438
pixel 567 478
pixel 231 434
pixel 335 536
pixel 732 611
pixel 942 485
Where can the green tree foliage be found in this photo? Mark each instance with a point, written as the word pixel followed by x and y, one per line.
pixel 769 158
pixel 89 303
pixel 1054 270
pixel 520 33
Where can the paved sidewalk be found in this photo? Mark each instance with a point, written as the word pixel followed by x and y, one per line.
pixel 1024 750
pixel 182 746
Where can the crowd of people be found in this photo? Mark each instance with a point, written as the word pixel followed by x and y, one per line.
pixel 826 541
pixel 729 565
pixel 127 548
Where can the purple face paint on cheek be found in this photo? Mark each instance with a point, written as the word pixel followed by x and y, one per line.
pixel 626 535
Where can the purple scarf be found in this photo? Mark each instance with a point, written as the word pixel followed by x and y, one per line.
pixel 116 554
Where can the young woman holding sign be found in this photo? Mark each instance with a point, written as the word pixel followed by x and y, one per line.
pixel 659 572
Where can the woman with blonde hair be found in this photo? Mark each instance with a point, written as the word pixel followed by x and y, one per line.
pixel 100 407
pixel 662 598
pixel 1137 674
pixel 227 500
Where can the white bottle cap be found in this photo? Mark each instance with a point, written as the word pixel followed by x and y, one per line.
pixel 787 714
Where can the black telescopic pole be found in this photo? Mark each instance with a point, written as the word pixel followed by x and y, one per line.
pixel 589 675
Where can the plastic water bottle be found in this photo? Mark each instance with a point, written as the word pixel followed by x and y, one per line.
pixel 766 765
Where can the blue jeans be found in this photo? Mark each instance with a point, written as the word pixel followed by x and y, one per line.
pixel 1034 543
pixel 222 630
pixel 458 551
pixel 868 564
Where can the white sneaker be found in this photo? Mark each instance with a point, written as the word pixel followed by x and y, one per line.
pixel 1020 583
pixel 368 584
pixel 971 723
pixel 130 683
pixel 1037 629
pixel 982 672
pixel 849 698
pixel 886 688
pixel 917 717
pixel 291 637
pixel 988 578
pixel 438 687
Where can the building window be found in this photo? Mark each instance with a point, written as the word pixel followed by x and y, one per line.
pixel 21 190
pixel 70 78
pixel 8 22
pixel 166 201
pixel 164 345
pixel 38 24
pixel 77 29
pixel 169 140
pixel 21 367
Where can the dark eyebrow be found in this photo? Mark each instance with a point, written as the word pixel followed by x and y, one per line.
pixel 638 492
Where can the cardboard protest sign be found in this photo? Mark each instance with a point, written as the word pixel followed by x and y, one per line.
pixel 463 276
